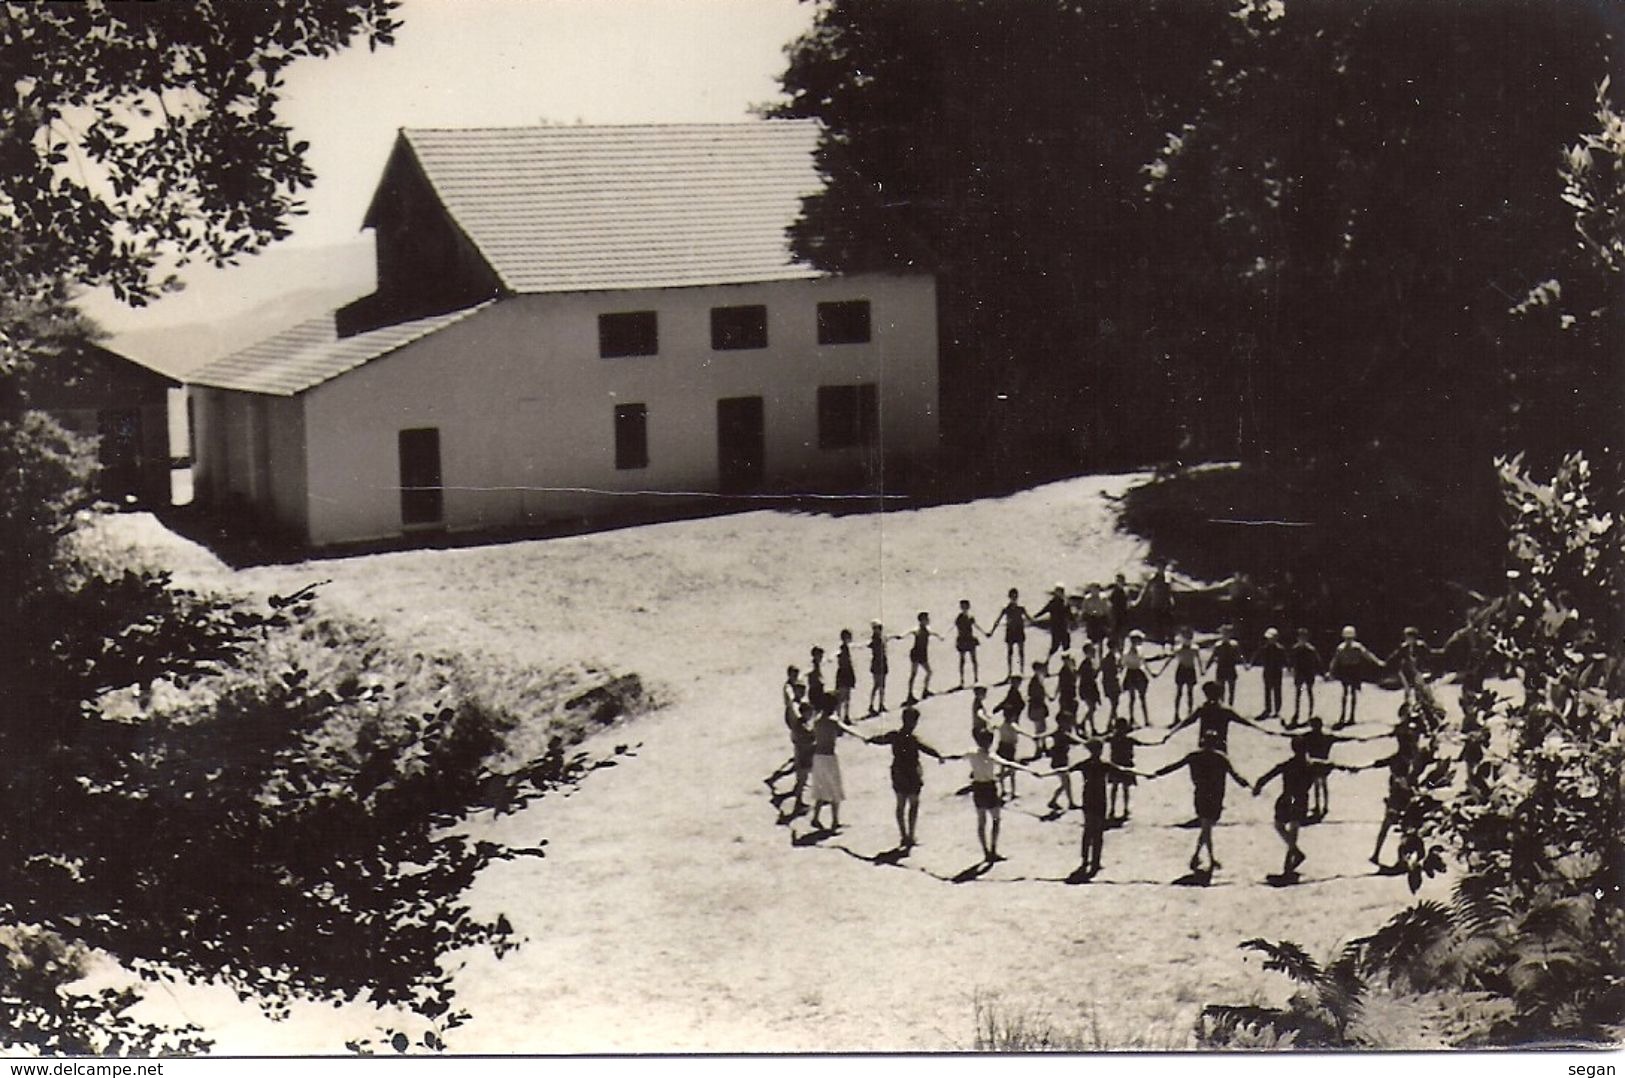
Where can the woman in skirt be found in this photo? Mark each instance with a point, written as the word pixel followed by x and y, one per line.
pixel 826 769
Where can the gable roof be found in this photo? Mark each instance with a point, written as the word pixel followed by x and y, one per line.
pixel 310 353
pixel 567 209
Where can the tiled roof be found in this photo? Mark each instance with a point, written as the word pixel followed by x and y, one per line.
pixel 312 352
pixel 565 209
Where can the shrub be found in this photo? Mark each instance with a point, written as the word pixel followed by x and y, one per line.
pixel 266 797
pixel 1529 806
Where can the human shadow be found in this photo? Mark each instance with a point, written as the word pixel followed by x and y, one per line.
pixel 892 858
pixel 972 872
pixel 812 837
pixel 1200 878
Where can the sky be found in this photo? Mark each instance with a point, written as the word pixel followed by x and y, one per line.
pixel 465 63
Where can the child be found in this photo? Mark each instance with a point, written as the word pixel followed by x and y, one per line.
pixel 1214 720
pixel 1306 667
pixel 1157 598
pixel 1057 619
pixel 1015 619
pixel 801 747
pixel 1066 684
pixel 1088 690
pixel 1348 666
pixel 826 770
pixel 1271 660
pixel 794 691
pixel 1399 763
pixel 1122 744
pixel 1186 661
pixel 1009 730
pixel 1209 768
pixel 1135 679
pixel 846 678
pixel 978 711
pixel 877 668
pixel 1097 616
pixel 1407 659
pixel 906 778
pixel 1060 759
pixel 1117 599
pixel 1038 706
pixel 965 642
pixel 816 695
pixel 1222 663
pixel 1096 773
pixel 1297 772
pixel 1110 665
pixel 984 788
pixel 1318 743
pixel 919 658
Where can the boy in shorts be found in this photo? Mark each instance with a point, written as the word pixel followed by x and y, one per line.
pixel 1271 660
pixel 965 642
pixel 1209 768
pixel 1015 619
pixel 1306 667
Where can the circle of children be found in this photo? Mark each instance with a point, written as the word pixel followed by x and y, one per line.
pixel 1097 697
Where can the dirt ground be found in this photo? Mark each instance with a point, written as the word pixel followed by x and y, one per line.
pixel 673 911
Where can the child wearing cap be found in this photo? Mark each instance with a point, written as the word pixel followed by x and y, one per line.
pixel 1135 679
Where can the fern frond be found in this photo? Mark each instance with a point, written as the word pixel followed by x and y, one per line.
pixel 1288 958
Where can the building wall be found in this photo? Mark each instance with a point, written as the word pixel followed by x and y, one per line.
pixel 525 404
pixel 251 456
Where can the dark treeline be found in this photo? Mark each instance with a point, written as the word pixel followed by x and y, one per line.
pixel 1295 233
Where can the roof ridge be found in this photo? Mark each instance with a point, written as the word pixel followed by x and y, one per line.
pixel 641 126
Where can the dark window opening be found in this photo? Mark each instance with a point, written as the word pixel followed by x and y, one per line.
pixel 631 436
pixel 846 322
pixel 733 328
pixel 848 416
pixel 628 333
pixel 422 498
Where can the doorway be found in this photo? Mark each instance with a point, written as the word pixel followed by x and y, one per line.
pixel 741 445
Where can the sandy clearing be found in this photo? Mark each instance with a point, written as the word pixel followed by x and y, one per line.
pixel 673 913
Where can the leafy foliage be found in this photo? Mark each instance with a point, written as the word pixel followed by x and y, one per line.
pixel 40 1012
pixel 1528 807
pixel 1293 228
pixel 312 768
pixel 134 132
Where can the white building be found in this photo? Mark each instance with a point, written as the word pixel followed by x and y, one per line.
pixel 573 323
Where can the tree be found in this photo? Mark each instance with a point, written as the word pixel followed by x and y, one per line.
pixel 1379 175
pixel 998 144
pixel 135 133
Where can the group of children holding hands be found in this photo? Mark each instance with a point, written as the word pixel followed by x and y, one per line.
pixel 1113 664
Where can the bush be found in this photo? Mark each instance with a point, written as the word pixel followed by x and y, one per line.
pixel 1529 805
pixel 265 797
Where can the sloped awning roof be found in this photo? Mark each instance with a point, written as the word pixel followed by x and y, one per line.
pixel 569 209
pixel 310 353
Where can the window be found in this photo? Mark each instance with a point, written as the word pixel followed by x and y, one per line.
pixel 846 322
pixel 628 333
pixel 421 495
pixel 631 436
pixel 848 416
pixel 734 328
